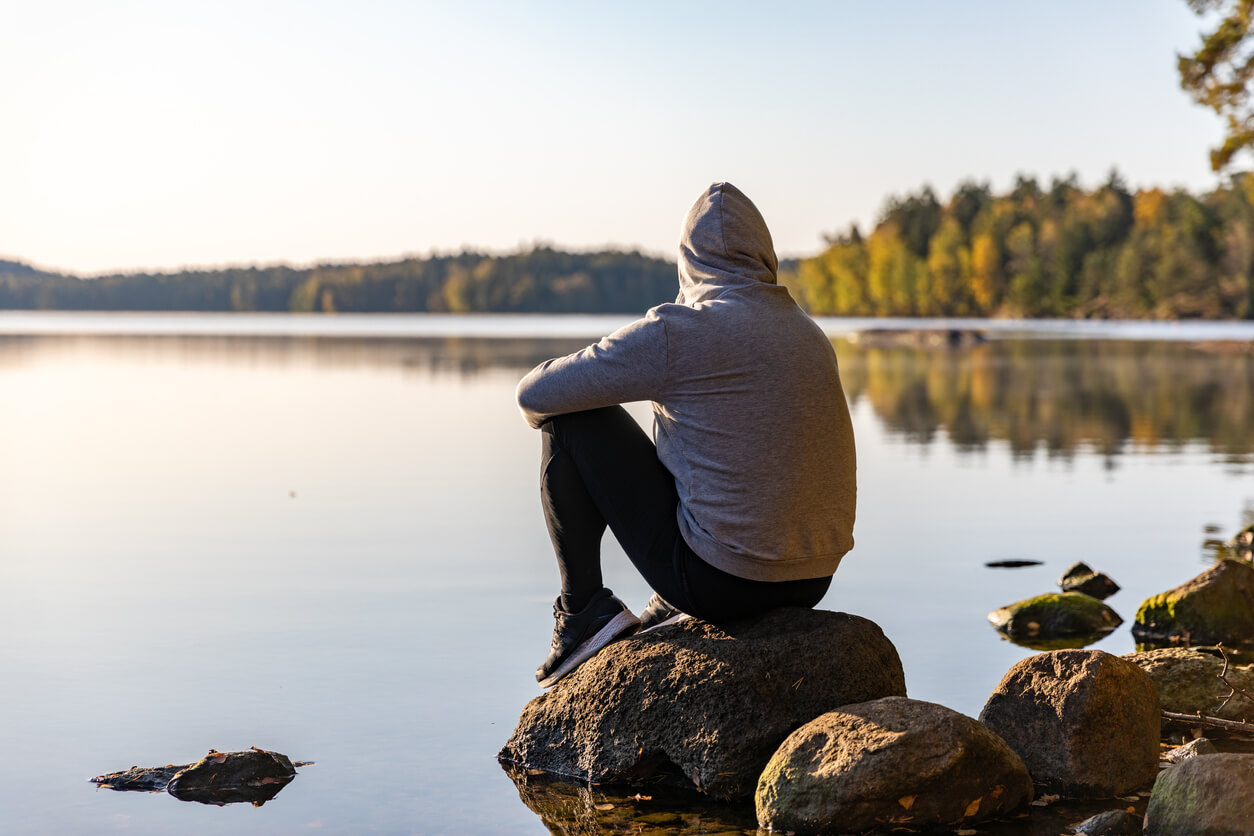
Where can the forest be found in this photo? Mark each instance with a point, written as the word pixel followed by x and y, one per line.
pixel 540 280
pixel 1061 251
pixel 1056 251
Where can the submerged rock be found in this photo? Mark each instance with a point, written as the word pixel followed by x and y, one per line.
pixel 254 776
pixel 1216 606
pixel 1193 749
pixel 1111 823
pixel 1188 681
pixel 1055 615
pixel 1080 578
pixel 1085 722
pixel 892 761
pixel 702 706
pixel 1210 795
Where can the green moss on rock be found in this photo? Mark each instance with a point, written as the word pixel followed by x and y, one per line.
pixel 1216 606
pixel 1055 615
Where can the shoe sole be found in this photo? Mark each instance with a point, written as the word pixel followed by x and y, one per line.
pixel 618 625
pixel 674 619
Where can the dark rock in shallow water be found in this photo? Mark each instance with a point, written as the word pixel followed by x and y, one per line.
pixel 1085 722
pixel 1216 606
pixel 254 776
pixel 1111 823
pixel 1080 578
pixel 889 761
pixel 139 778
pixel 1055 615
pixel 1188 681
pixel 1203 796
pixel 702 706
pixel 232 776
pixel 1193 749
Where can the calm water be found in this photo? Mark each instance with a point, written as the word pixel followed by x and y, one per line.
pixel 332 546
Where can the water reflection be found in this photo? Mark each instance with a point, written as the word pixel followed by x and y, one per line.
pixel 571 809
pixel 1062 395
pixel 1065 395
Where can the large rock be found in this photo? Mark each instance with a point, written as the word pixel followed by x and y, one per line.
pixel 1085 722
pixel 892 761
pixel 1216 606
pixel 1205 796
pixel 702 706
pixel 1055 615
pixel 1188 682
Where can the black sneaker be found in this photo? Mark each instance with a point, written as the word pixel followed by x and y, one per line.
pixel 578 637
pixel 658 613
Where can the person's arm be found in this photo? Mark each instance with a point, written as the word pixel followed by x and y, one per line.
pixel 628 365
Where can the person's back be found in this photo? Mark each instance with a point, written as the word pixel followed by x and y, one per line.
pixel 747 501
pixel 753 425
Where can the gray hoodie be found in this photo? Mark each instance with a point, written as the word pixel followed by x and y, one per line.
pixel 749 414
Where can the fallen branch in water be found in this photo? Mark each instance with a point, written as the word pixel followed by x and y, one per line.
pixel 1239 726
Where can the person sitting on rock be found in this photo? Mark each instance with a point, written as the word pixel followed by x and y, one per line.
pixel 746 502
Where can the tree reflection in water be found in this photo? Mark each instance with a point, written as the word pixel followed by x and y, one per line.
pixel 1065 395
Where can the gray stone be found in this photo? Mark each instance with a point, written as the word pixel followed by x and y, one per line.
pixel 1193 749
pixel 1188 681
pixel 1085 722
pixel 1080 578
pixel 892 761
pixel 1203 797
pixel 1110 823
pixel 701 706
pixel 1055 615
pixel 1216 606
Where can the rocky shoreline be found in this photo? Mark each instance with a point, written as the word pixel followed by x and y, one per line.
pixel 805 714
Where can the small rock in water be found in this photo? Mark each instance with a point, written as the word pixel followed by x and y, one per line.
pixel 1192 749
pixel 1055 615
pixel 1110 823
pixel 1080 578
pixel 255 776
pixel 1013 564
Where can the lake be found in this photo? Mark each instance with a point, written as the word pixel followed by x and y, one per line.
pixel 322 536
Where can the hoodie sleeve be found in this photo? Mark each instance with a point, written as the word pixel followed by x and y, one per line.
pixel 628 365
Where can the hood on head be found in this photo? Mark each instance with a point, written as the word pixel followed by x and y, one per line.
pixel 725 243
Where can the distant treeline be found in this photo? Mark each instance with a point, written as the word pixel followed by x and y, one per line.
pixel 1034 252
pixel 542 280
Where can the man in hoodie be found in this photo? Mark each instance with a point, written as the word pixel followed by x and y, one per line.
pixel 747 500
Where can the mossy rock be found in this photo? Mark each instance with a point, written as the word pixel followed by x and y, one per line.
pixel 1055 615
pixel 1216 606
pixel 1188 681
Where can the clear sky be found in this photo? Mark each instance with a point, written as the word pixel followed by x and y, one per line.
pixel 167 134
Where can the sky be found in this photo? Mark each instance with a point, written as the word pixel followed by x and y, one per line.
pixel 163 135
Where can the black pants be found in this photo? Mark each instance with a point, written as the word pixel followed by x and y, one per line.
pixel 597 468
